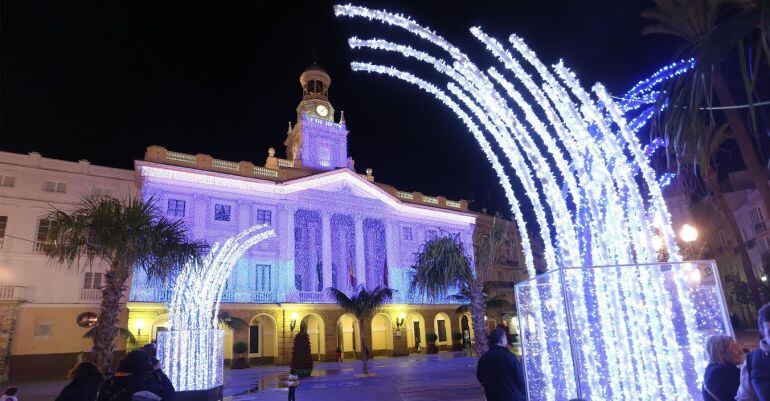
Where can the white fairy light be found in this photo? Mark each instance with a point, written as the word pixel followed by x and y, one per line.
pixel 190 350
pixel 589 146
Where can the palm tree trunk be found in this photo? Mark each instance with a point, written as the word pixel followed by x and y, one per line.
pixel 478 311
pixel 726 212
pixel 364 355
pixel 106 328
pixel 745 142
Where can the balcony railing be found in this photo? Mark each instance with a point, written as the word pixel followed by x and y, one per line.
pixel 11 293
pixel 41 245
pixel 146 294
pixel 90 295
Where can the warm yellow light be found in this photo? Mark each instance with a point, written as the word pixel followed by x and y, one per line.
pixel 139 325
pixel 294 316
pixel 402 315
pixel 688 233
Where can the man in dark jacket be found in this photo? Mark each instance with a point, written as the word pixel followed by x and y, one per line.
pixel 500 372
pixel 136 374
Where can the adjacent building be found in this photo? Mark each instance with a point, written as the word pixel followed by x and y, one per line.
pixel 41 302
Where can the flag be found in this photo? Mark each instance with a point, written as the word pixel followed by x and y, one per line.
pixel 350 269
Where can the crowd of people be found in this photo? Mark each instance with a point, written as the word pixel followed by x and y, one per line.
pixel 138 378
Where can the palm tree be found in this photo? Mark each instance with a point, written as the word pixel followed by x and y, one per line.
pixel 442 265
pixel 490 302
pixel 126 235
pixel 711 31
pixel 696 160
pixel 362 305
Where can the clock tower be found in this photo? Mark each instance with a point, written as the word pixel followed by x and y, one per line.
pixel 316 141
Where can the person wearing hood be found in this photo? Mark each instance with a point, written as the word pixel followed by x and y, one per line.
pixel 755 373
pixel 86 378
pixel 134 378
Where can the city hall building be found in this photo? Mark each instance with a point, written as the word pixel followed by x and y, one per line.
pixel 334 228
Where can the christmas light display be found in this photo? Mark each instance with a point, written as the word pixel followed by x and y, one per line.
pixel 190 350
pixel 632 332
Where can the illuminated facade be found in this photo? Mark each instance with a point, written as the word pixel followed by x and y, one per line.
pixel 334 228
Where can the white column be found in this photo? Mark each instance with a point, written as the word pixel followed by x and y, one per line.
pixel 326 249
pixel 360 251
pixel 286 251
pixel 391 251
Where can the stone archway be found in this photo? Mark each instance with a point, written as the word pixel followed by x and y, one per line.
pixel 382 335
pixel 442 326
pixel 348 336
pixel 415 331
pixel 316 330
pixel 263 338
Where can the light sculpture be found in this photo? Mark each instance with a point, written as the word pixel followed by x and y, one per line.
pixel 190 350
pixel 602 333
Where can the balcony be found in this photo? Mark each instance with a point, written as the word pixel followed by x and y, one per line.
pixel 40 246
pixel 759 227
pixel 12 293
pixel 91 295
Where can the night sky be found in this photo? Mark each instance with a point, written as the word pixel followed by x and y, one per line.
pixel 86 80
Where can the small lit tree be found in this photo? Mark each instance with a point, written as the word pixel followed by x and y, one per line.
pixel 301 358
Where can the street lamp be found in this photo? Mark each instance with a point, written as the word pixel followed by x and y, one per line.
pixel 293 323
pixel 688 233
pixel 763 278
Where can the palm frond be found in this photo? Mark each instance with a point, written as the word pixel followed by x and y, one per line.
pixel 440 266
pixel 231 322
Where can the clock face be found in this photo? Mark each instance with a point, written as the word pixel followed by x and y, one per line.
pixel 322 110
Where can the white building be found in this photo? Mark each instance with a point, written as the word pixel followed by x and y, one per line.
pixel 40 301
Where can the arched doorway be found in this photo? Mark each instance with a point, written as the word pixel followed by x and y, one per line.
pixel 315 329
pixel 348 336
pixel 382 334
pixel 415 331
pixel 443 328
pixel 466 329
pixel 160 324
pixel 262 337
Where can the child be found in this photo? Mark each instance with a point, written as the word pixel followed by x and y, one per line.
pixel 292 381
pixel 10 394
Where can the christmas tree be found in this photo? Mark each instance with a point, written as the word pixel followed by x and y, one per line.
pixel 301 359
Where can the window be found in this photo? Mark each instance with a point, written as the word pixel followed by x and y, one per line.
pixel 92 281
pixel 264 217
pixel 43 329
pixel 757 220
pixel 441 330
pixel 723 238
pixel 43 229
pixel 262 275
pixel 222 212
pixel 175 208
pixel 3 224
pixel 7 180
pixel 55 186
pixel 324 156
pixel 101 191
pixel 406 233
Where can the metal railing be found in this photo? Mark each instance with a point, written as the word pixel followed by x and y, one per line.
pixel 90 294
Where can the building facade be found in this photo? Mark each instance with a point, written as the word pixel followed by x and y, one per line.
pixel 334 228
pixel 41 301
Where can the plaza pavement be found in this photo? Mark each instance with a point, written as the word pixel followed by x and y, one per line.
pixel 445 376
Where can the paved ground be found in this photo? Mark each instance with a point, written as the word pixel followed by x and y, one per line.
pixel 444 376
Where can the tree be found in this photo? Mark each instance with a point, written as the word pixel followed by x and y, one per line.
pixel 362 305
pixel 490 302
pixel 126 235
pixel 442 265
pixel 696 160
pixel 301 358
